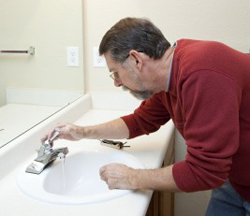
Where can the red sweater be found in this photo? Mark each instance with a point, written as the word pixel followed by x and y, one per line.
pixel 209 102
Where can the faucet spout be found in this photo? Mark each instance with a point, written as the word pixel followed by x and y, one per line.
pixel 42 161
pixel 46 155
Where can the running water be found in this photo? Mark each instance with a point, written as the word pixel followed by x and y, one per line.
pixel 63 175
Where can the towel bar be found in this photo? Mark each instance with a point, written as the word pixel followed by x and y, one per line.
pixel 30 51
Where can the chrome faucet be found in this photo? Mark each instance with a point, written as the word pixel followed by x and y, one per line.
pixel 46 155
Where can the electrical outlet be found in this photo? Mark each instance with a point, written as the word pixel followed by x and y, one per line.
pixel 98 61
pixel 73 56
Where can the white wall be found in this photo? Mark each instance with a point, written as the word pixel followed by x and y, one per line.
pixel 50 26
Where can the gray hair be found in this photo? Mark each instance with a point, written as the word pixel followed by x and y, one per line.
pixel 133 34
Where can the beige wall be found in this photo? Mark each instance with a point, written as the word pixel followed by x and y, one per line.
pixel 224 20
pixel 50 26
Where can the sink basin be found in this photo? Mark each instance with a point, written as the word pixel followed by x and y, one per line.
pixel 77 180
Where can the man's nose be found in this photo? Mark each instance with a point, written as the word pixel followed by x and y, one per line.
pixel 118 83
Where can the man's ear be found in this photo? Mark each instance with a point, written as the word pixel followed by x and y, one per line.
pixel 137 58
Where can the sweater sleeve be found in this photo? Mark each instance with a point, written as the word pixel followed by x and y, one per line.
pixel 211 103
pixel 148 117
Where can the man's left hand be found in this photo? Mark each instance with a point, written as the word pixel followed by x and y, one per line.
pixel 119 176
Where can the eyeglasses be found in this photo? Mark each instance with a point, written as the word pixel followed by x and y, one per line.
pixel 115 76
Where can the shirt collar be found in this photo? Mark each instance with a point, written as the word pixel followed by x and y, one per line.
pixel 170 70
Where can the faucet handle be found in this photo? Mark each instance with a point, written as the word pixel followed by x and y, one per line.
pixel 48 142
pixel 55 134
pixel 46 146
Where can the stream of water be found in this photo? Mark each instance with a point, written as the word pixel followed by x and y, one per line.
pixel 63 175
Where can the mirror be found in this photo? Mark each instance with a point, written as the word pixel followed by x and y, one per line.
pixel 33 87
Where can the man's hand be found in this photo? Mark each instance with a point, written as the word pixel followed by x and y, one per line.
pixel 115 129
pixel 119 176
pixel 67 131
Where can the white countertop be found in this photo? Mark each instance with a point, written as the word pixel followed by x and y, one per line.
pixel 150 150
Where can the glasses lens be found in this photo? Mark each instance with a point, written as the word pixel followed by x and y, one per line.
pixel 114 76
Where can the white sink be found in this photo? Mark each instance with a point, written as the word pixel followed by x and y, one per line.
pixel 78 181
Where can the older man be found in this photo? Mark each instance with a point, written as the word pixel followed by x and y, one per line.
pixel 204 87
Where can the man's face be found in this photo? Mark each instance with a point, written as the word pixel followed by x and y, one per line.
pixel 125 76
pixel 141 95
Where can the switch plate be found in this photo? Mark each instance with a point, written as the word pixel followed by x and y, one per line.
pixel 73 56
pixel 98 61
